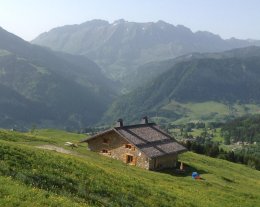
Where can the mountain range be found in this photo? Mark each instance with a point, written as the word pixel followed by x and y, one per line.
pixel 119 48
pixel 228 78
pixel 49 89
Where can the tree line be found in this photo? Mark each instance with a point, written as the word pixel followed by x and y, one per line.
pixel 248 155
pixel 244 129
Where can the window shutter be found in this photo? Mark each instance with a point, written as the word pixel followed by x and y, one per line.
pixel 135 160
pixel 125 158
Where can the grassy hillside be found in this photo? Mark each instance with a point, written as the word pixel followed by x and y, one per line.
pixel 96 180
pixel 16 193
pixel 180 113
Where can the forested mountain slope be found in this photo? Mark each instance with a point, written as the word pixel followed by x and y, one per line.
pixel 229 77
pixel 49 88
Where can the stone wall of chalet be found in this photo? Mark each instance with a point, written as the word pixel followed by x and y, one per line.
pixel 115 146
pixel 167 161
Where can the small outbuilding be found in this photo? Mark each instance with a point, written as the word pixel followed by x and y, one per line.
pixel 144 145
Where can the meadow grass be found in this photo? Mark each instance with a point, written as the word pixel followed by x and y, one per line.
pixel 100 181
pixel 16 193
pixel 59 135
pixel 216 134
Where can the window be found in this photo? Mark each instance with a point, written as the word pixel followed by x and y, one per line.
pixel 105 141
pixel 104 151
pixel 128 146
pixel 129 158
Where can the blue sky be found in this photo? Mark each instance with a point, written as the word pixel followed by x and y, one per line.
pixel 228 18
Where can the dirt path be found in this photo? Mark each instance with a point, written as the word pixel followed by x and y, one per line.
pixel 57 149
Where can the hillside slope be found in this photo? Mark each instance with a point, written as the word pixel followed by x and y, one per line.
pixel 101 181
pixel 151 70
pixel 15 193
pixel 120 47
pixel 59 89
pixel 229 78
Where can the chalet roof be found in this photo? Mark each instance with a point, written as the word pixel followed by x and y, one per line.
pixel 148 138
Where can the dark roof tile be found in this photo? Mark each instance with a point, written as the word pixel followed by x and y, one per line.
pixel 149 138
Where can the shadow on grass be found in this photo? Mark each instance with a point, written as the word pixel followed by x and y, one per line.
pixel 186 172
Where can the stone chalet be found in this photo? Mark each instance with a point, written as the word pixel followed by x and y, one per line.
pixel 144 145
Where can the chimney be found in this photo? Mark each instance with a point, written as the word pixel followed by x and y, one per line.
pixel 119 123
pixel 144 120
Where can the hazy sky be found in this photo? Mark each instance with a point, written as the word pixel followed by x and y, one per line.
pixel 228 18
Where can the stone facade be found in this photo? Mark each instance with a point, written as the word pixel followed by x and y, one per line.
pixel 113 145
pixel 166 161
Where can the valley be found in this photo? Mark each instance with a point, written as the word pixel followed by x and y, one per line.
pixel 208 87
pixel 70 91
pixel 129 103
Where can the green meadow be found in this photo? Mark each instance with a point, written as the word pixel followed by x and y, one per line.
pixel 30 176
pixel 209 111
